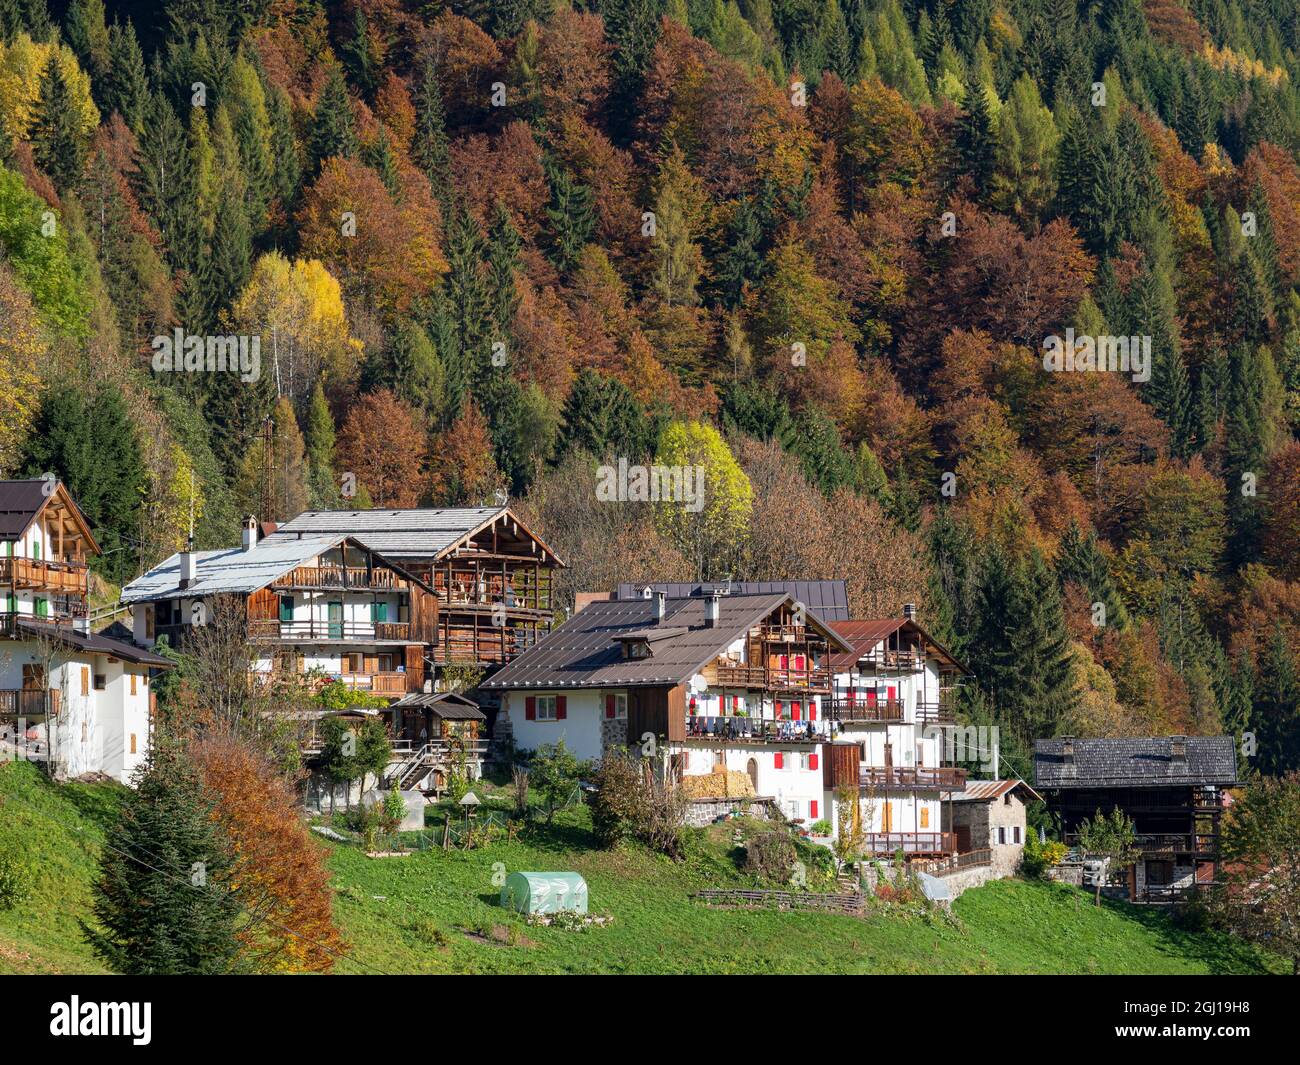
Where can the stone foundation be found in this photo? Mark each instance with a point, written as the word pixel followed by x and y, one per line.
pixel 703 812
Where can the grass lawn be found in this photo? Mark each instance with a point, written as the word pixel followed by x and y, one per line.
pixel 437 912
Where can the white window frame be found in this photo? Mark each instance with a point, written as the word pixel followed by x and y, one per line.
pixel 620 706
pixel 546 708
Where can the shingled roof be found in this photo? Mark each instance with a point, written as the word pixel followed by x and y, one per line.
pixel 92 643
pixel 22 501
pixel 585 651
pixel 1141 762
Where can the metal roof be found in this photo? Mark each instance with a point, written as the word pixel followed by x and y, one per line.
pixel 988 790
pixel 91 643
pixel 585 651
pixel 829 600
pixel 865 634
pixel 1142 762
pixel 234 570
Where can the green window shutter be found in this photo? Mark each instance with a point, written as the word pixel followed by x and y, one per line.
pixel 378 612
pixel 42 608
pixel 286 608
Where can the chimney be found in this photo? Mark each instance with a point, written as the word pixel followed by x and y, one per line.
pixel 187 564
pixel 909 611
pixel 250 533
pixel 712 609
pixel 1178 751
pixel 1067 757
pixel 661 606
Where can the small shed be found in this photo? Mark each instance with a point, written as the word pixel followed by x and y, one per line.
pixel 424 716
pixel 545 893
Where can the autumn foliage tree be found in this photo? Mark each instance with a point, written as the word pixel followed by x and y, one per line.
pixel 382 445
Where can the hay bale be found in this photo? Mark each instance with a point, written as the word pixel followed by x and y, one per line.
pixel 721 783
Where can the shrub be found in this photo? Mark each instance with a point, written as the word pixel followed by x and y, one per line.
pixel 1037 857
pixel 15 881
pixel 821 828
pixel 771 856
pixel 630 802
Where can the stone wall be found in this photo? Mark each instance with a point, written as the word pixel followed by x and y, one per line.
pixel 703 812
pixel 613 732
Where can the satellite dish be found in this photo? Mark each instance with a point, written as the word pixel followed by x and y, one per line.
pixel 698 683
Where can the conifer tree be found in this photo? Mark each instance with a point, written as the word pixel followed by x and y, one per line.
pixel 429 149
pixel 504 246
pixel 57 141
pixel 572 217
pixel 332 130
pixel 163 903
pixel 126 84
pixel 318 440
pixel 975 141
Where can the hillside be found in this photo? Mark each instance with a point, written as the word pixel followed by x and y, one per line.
pixel 437 913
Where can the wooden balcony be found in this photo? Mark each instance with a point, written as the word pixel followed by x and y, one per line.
pixel 342 577
pixel 44 575
pixel 866 710
pixel 747 730
pixel 1155 844
pixel 883 844
pixel 775 680
pixel 935 713
pixel 321 629
pixel 895 661
pixel 25 702
pixel 912 778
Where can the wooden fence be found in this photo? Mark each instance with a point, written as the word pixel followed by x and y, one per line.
pixel 784 900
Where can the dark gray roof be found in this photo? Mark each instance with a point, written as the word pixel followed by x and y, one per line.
pixel 20 502
pixel 91 643
pixel 585 651
pixel 829 600
pixel 447 705
pixel 1141 762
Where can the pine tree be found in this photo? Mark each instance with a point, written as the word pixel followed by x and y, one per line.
pixel 1276 710
pixel 286 161
pixel 429 146
pixel 359 55
pixel 87 35
pixel 11 20
pixel 602 417
pixel 975 140
pixel 416 374
pixel 470 302
pixel 57 142
pixel 332 130
pixel 379 156
pixel 739 261
pixel 163 903
pixel 39 24
pixel 318 439
pixel 572 217
pixel 126 84
pixel 504 246
pixel 1081 561
pixel 632 27
pixel 762 413
pixel 825 463
pixel 1170 390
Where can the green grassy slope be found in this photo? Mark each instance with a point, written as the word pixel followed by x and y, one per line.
pixel 437 913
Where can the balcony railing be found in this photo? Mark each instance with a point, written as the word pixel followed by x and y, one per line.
pixel 884 843
pixel 45 574
pixel 754 730
pixel 340 577
pixel 321 629
pixel 907 778
pixel 26 702
pixel 738 676
pixel 935 713
pixel 866 710
pixel 903 661
pixel 1150 843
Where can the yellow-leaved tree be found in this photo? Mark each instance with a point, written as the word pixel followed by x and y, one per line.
pixel 21 65
pixel 296 307
pixel 708 522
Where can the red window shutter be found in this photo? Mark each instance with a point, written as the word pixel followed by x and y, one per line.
pixel 812 710
pixel 780 760
pixel 530 708
pixel 799 662
pixel 796 711
pixel 812 764
pixel 735 702
pixel 812 805
pixel 893 692
pixel 785 661
pixel 609 704
pixel 778 709
pixel 560 700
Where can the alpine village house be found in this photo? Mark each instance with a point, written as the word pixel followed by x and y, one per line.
pixel 384 601
pixel 756 682
pixel 78 702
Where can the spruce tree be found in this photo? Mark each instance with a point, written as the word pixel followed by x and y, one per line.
pixel 975 140
pixel 318 438
pixel 504 246
pixel 164 903
pixel 572 217
pixel 332 130
pixel 57 141
pixel 603 418
pixel 429 147
pixel 126 84
pixel 1169 390
pixel 470 302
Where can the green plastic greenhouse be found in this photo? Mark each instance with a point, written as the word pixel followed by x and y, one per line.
pixel 545 892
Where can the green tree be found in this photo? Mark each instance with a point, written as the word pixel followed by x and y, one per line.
pixel 1110 838
pixel 332 130
pixel 554 772
pixel 163 903
pixel 57 138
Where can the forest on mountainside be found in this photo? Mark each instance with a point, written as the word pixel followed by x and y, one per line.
pixel 815 246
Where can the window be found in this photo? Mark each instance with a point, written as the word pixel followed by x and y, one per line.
pixel 546 708
pixel 925 817
pixel 133 743
pixel 286 608
pixel 378 613
pixel 101 682
pixel 1002 834
pixel 42 608
pixel 620 706
pixel 132 683
pixel 1015 834
pixel 803 760
pixel 85 680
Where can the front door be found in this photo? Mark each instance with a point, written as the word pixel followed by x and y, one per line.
pixel 887 816
pixel 752 770
pixel 335 620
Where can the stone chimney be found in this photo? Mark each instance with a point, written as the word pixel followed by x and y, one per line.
pixel 1178 751
pixel 250 532
pixel 1067 757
